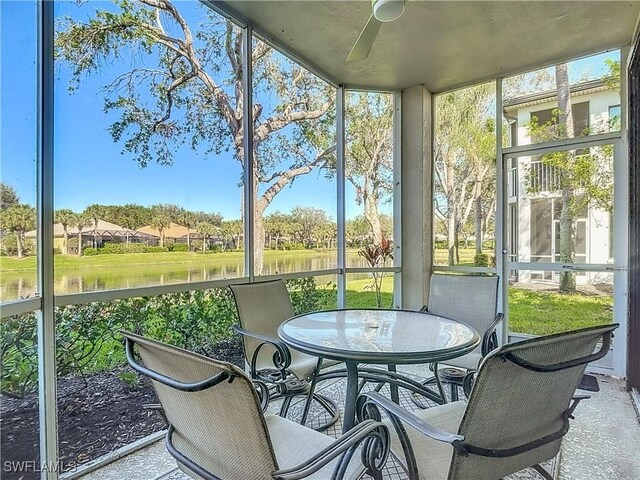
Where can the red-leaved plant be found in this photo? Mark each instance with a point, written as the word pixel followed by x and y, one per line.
pixel 376 256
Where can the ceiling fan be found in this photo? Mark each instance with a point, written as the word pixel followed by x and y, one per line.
pixel 384 11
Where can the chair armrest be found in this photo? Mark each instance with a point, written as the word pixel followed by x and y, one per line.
pixel 376 442
pixel 489 339
pixel 281 356
pixel 263 393
pixel 396 411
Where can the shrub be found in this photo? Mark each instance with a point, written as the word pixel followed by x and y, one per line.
pixel 481 260
pixel 179 247
pixel 292 246
pixel 89 251
pixel 87 337
pixel 121 248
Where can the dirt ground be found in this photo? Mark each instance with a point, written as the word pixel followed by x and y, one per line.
pixel 96 414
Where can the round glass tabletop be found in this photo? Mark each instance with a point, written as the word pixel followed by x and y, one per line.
pixel 379 336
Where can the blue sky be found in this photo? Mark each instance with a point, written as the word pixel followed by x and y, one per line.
pixel 89 167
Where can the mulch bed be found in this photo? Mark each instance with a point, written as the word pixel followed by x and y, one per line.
pixel 96 414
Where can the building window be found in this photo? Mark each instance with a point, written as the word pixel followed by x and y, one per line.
pixel 614 117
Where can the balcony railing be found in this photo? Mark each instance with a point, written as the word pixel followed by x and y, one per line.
pixel 543 178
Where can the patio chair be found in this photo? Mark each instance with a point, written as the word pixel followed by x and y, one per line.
pixel 262 307
pixel 471 299
pixel 516 416
pixel 217 428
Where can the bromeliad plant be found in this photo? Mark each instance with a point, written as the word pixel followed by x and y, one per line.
pixel 376 256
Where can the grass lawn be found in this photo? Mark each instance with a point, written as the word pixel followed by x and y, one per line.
pixel 542 313
pixel 531 312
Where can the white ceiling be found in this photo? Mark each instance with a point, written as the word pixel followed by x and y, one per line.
pixel 441 44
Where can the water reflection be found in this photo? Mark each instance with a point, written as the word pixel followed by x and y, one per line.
pixel 16 285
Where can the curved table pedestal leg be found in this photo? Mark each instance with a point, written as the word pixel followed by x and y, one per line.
pixel 350 397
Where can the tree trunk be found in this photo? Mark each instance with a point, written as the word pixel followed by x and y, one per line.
pixel 65 240
pixel 457 246
pixel 188 240
pixel 451 215
pixel 19 244
pixel 161 238
pixel 567 237
pixel 478 217
pixel 79 252
pixel 372 215
pixel 567 243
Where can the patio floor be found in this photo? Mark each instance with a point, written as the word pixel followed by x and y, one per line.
pixel 601 444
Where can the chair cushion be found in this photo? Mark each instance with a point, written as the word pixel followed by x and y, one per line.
pixel 295 444
pixel 433 457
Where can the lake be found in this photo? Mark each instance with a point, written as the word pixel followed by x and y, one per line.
pixel 159 269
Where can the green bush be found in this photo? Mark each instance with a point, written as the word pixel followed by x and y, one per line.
pixel 89 251
pixel 481 260
pixel 87 338
pixel 440 244
pixel 121 248
pixel 292 246
pixel 179 247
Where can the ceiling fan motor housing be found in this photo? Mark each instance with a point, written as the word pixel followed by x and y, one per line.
pixel 387 10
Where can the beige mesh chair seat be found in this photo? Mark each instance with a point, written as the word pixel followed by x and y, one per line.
pixel 470 299
pixel 517 413
pixel 217 428
pixel 262 307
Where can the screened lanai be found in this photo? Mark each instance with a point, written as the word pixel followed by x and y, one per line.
pixel 244 122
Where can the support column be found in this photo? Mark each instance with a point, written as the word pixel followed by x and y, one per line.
pixel 417 195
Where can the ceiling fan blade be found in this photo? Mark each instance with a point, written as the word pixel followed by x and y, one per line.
pixel 365 40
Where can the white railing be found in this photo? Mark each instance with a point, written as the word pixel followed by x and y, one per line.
pixel 543 178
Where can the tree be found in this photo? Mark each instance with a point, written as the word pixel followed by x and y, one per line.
pixel 308 219
pixel 206 230
pixel 18 218
pixel 192 92
pixel 464 158
pixel 80 221
pixel 188 219
pixel 276 225
pixel 358 230
pixel 8 196
pixel 369 160
pixel 584 178
pixel 95 212
pixel 160 222
pixel 65 217
pixel 232 230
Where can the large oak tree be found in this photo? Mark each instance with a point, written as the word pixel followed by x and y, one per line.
pixel 183 84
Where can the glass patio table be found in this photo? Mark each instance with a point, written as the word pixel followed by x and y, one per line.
pixel 385 337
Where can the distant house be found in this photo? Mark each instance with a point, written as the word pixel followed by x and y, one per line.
pixel 174 233
pixel 534 198
pixel 105 232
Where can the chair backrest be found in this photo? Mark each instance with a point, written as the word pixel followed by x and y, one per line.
pixel 220 428
pixel 472 299
pixel 521 393
pixel 262 307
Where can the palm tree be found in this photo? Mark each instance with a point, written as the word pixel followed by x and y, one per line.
pixel 80 221
pixel 95 213
pixel 65 217
pixel 206 230
pixel 188 219
pixel 18 218
pixel 160 222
